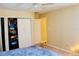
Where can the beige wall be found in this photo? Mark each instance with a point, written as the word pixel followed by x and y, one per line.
pixel 63 27
pixel 16 13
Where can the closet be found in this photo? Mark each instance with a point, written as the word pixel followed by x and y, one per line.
pixel 19 33
pixel 13 33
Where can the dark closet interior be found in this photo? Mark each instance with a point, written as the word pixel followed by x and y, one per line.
pixel 13 33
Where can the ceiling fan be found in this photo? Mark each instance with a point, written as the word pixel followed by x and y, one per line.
pixel 40 6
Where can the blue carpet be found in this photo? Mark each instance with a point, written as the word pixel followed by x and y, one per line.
pixel 30 51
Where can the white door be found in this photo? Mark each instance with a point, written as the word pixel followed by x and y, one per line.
pixel 24 32
pixel 36 31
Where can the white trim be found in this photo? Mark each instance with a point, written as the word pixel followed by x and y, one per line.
pixel 35 43
pixel 61 49
pixel 19 17
pixel 6 34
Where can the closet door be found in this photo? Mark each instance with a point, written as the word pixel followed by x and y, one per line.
pixel 24 32
pixel 36 31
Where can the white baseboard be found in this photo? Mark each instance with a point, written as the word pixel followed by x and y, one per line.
pixel 35 43
pixel 61 49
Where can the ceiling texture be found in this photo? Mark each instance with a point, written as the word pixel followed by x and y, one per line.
pixel 35 7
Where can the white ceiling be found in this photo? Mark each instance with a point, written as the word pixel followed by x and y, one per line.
pixel 35 7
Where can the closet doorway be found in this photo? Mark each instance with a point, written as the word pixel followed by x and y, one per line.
pixel 13 33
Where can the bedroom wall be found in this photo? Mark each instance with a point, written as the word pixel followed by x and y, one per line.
pixel 43 29
pixel 63 28
pixel 16 13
